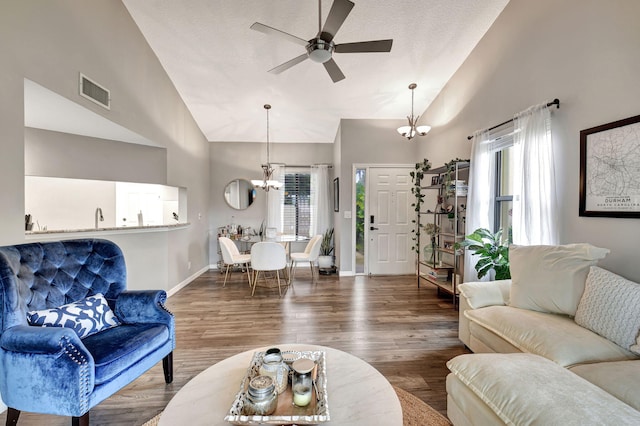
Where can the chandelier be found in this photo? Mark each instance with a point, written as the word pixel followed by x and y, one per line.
pixel 412 129
pixel 267 182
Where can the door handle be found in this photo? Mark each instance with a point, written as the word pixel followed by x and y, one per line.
pixel 373 228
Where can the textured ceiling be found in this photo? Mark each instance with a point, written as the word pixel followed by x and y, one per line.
pixel 219 66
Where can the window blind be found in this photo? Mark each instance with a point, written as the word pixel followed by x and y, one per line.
pixel 296 210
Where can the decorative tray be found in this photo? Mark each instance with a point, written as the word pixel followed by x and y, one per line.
pixel 286 413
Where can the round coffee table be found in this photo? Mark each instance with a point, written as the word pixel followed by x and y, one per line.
pixel 357 393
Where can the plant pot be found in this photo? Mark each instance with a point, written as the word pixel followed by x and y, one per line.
pixel 325 262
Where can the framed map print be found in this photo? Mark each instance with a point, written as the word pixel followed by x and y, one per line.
pixel 610 169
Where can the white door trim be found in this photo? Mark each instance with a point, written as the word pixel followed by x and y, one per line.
pixel 367 167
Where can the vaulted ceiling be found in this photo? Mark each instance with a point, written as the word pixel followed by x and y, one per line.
pixel 219 65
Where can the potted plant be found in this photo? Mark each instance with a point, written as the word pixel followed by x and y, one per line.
pixel 429 250
pixel 492 252
pixel 325 260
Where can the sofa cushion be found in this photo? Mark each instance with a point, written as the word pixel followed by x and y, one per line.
pixel 526 389
pixel 86 317
pixel 116 349
pixel 555 337
pixel 619 378
pixel 610 306
pixel 551 278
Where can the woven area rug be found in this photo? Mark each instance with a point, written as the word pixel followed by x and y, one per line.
pixel 415 412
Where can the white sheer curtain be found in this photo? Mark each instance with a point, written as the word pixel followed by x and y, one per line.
pixel 481 195
pixel 275 200
pixel 320 200
pixel 535 207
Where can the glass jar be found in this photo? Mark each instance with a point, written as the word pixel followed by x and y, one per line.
pixel 262 398
pixel 302 382
pixel 274 366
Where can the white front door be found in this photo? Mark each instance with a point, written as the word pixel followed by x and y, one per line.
pixel 389 221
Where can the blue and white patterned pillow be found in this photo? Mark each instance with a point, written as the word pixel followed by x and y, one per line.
pixel 86 317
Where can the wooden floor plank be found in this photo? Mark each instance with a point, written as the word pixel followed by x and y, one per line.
pixel 405 332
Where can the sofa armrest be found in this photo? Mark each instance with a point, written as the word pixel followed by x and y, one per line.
pixel 475 295
pixel 486 293
pixel 143 306
pixel 38 340
pixel 51 357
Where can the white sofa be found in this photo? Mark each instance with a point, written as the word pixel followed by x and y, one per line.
pixel 551 346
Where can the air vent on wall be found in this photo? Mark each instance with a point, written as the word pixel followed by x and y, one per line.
pixel 94 92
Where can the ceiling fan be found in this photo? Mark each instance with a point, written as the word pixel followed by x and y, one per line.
pixel 320 48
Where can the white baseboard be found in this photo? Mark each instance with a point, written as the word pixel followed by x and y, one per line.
pixel 346 273
pixel 187 281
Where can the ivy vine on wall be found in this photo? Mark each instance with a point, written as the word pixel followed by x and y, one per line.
pixel 416 176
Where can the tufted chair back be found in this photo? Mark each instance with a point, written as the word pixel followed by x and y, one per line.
pixel 50 274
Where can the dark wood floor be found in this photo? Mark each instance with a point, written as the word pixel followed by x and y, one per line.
pixel 405 332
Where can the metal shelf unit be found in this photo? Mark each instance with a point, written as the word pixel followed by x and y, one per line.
pixel 445 269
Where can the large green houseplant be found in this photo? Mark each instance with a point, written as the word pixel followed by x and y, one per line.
pixel 492 251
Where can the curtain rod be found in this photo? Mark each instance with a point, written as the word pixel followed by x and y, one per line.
pixel 555 102
pixel 305 166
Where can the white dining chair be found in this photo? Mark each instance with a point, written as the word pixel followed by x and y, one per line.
pixel 310 254
pixel 265 257
pixel 231 256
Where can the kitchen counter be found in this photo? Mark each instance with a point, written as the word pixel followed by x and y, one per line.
pixel 110 230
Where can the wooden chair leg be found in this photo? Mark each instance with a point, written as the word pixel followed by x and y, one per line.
pixel 278 277
pixel 12 416
pixel 293 271
pixel 255 281
pixel 167 366
pixel 225 276
pixel 80 421
pixel 248 273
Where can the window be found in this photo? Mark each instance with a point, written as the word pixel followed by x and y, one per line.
pixel 504 189
pixel 361 179
pixel 296 211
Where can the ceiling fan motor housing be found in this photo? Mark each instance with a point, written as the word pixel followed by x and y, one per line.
pixel 320 50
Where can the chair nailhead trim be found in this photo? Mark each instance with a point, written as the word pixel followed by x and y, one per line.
pixel 79 358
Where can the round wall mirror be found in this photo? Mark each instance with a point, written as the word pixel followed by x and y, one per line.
pixel 239 194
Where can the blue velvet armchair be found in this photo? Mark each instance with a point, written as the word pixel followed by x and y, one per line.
pixel 51 369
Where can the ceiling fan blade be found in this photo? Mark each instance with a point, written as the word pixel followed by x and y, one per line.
pixel 338 13
pixel 288 64
pixel 333 70
pixel 257 26
pixel 364 46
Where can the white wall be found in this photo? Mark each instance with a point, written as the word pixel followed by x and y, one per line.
pixel 50 43
pixel 584 52
pixel 60 204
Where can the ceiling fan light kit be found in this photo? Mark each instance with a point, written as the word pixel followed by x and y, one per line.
pixel 320 49
pixel 412 130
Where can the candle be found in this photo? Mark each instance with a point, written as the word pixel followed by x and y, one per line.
pixel 301 395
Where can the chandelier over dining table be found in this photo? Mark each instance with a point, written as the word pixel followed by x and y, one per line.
pixel 267 182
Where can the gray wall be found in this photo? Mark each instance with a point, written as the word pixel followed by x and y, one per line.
pixel 584 52
pixel 85 157
pixel 232 160
pixel 364 142
pixel 50 43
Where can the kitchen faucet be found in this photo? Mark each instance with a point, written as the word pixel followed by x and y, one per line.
pixel 99 216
